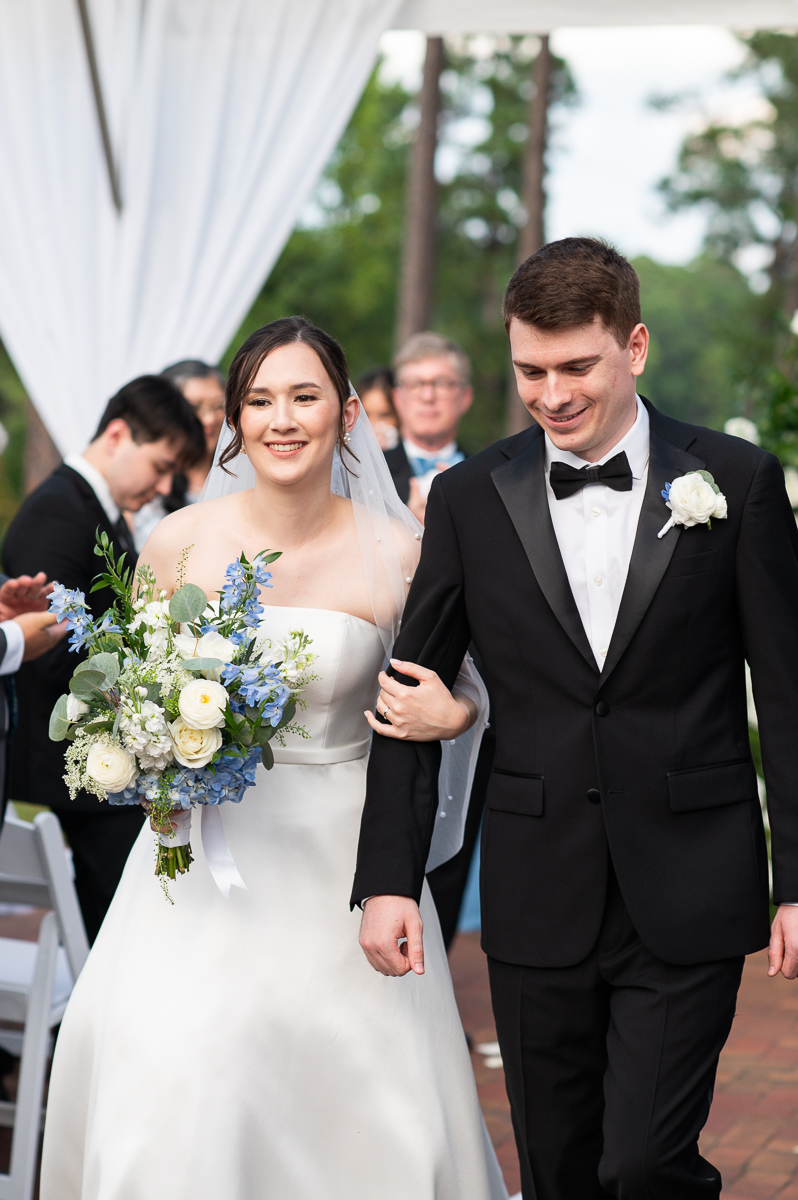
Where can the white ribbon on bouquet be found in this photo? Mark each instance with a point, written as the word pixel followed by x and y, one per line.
pixel 214 843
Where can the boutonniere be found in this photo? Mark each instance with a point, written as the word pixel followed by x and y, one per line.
pixel 694 499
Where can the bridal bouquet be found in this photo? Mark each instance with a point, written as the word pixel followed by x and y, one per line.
pixel 179 699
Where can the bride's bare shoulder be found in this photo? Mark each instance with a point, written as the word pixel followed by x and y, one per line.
pixel 184 528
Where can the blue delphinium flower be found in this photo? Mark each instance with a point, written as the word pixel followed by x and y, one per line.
pixel 70 605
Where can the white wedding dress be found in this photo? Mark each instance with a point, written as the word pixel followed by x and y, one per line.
pixel 244 1049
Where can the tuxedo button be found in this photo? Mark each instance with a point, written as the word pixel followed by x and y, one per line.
pixel 594 795
pixel 602 708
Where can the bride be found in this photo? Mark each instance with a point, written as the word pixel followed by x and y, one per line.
pixel 243 1048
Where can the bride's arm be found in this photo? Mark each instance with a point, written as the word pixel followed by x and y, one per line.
pixel 426 711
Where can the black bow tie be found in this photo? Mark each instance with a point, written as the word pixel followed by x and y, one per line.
pixel 616 474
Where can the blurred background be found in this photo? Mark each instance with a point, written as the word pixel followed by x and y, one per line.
pixel 678 145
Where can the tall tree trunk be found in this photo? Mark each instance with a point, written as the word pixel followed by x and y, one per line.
pixel 418 253
pixel 41 456
pixel 531 236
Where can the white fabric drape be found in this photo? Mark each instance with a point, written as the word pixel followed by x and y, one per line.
pixel 222 115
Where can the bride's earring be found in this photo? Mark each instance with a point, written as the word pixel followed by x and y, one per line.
pixel 347 438
pixel 243 450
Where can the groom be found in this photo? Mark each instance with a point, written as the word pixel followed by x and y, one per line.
pixel 624 864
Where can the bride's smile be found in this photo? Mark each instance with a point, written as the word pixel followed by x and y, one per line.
pixel 292 416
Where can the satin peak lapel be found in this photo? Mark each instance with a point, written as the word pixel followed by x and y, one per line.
pixel 650 554
pixel 521 483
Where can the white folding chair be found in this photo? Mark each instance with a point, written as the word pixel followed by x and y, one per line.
pixel 36 978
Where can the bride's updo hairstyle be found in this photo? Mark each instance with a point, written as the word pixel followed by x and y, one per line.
pixel 257 347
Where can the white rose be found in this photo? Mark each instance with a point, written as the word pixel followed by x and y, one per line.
pixel 692 500
pixel 210 645
pixel 75 708
pixel 194 747
pixel 202 703
pixel 112 766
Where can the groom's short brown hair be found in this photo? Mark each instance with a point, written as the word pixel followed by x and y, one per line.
pixel 568 283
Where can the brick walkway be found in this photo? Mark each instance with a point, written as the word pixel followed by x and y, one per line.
pixel 752 1132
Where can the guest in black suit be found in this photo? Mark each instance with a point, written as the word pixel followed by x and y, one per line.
pixel 147 432
pixel 433 392
pixel 624 863
pixel 27 630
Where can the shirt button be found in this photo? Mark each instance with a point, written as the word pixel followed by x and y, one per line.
pixel 603 651
pixel 597 579
pixel 596 512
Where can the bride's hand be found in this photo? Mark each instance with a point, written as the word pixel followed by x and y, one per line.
pixel 426 713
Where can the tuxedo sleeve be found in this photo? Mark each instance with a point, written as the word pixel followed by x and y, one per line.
pixel 402 782
pixel 767 585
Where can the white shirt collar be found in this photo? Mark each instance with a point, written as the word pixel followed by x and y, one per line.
pixel 98 484
pixel 635 443
pixel 414 451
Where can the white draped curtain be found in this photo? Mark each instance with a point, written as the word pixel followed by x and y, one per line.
pixel 222 114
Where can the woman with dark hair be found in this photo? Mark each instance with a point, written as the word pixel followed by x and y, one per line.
pixel 287 1069
pixel 375 389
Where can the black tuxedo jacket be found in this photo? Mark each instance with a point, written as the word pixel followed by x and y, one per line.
pixel 401 471
pixel 55 532
pixel 647 760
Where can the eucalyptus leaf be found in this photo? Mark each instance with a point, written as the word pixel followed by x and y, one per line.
pixel 201 664
pixel 288 712
pixel 98 726
pixel 267 756
pixel 188 603
pixel 263 734
pixel 85 683
pixel 705 475
pixel 108 664
pixel 59 724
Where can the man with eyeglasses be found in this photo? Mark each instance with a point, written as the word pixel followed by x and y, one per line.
pixel 433 391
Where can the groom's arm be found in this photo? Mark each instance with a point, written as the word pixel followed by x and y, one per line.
pixel 402 786
pixel 767 585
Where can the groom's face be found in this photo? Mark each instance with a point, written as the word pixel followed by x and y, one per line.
pixel 579 384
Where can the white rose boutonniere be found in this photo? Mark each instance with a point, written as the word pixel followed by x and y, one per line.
pixel 694 499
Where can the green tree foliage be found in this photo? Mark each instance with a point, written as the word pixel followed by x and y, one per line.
pixel 746 178
pixel 703 320
pixel 341 270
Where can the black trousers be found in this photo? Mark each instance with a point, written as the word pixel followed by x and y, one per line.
pixel 610 1067
pixel 100 842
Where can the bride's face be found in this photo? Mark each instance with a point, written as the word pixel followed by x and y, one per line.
pixel 291 416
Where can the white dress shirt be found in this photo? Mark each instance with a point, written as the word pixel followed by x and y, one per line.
pixel 98 484
pixel 595 530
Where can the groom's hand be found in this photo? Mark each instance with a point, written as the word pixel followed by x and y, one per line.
pixel 391 935
pixel 783 949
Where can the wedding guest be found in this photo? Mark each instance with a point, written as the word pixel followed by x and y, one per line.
pixel 27 631
pixel 375 389
pixel 141 442
pixel 433 392
pixel 203 387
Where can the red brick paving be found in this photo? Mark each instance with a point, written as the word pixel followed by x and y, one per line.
pixel 752 1132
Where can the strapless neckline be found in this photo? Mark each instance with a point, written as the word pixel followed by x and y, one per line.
pixel 305 608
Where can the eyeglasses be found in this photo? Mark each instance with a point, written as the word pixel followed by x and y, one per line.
pixel 440 384
pixel 208 410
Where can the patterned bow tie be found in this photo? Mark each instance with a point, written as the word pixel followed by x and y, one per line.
pixel 615 474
